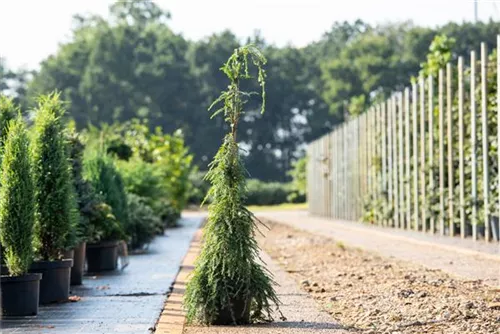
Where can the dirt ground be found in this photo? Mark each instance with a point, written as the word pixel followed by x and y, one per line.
pixel 371 294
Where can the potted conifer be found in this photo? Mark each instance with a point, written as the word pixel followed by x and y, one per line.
pixel 8 111
pixel 109 213
pixel 20 289
pixel 229 284
pixel 52 176
pixel 82 198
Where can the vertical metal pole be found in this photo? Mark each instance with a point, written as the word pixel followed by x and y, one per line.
pixel 380 188
pixel 441 152
pixel 473 143
pixel 461 144
pixel 407 157
pixel 451 183
pixel 484 121
pixel 423 183
pixel 498 127
pixel 389 160
pixel 402 206
pixel 416 210
pixel 430 102
pixel 384 156
pixel 395 160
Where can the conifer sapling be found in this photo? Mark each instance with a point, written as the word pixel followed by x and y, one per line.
pixel 17 206
pixel 229 276
pixel 53 181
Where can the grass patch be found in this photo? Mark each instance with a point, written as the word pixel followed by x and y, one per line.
pixel 279 207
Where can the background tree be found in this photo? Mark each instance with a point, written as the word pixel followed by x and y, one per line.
pixel 134 65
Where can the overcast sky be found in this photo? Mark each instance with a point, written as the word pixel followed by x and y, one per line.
pixel 30 30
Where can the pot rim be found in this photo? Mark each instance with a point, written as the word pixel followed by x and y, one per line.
pixel 28 277
pixel 40 265
pixel 104 244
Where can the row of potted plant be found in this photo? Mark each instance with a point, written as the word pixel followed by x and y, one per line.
pixel 67 199
pixel 36 206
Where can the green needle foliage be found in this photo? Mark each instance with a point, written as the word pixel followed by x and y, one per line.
pixel 229 277
pixel 53 180
pixel 8 111
pixel 17 203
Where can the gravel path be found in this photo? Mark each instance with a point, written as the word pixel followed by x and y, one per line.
pixel 298 307
pixel 373 294
pixel 463 258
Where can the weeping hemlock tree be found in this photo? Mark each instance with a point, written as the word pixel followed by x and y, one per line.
pixel 16 200
pixel 229 285
pixel 53 181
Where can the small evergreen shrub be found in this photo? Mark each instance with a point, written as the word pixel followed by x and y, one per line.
pixel 83 193
pixel 8 111
pixel 101 172
pixel 267 193
pixel 228 276
pixel 142 179
pixel 52 176
pixel 143 223
pixel 17 203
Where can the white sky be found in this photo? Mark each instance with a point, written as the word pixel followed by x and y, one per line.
pixel 30 30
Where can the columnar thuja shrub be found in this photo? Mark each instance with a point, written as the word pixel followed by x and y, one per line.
pixel 16 200
pixel 8 111
pixel 229 284
pixel 52 177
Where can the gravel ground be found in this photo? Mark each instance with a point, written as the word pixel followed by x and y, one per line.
pixel 464 258
pixel 370 294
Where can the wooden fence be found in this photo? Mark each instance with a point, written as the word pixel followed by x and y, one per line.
pixel 425 159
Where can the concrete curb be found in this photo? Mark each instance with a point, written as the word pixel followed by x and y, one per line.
pixel 173 316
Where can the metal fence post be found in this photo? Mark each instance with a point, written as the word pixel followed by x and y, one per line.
pixel 430 103
pixel 416 167
pixel 407 157
pixel 484 121
pixel 451 183
pixel 473 143
pixel 423 184
pixel 441 151
pixel 461 144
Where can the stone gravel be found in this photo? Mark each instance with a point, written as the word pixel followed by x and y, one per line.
pixel 368 293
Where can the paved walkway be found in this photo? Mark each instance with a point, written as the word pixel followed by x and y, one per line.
pixel 465 258
pixel 120 302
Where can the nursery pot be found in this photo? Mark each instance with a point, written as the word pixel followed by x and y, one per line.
pixel 239 309
pixel 4 270
pixel 20 294
pixel 54 286
pixel 102 256
pixel 78 256
pixel 78 264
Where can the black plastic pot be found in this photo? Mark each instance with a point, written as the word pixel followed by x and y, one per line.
pixel 102 256
pixel 4 270
pixel 78 264
pixel 237 312
pixel 20 294
pixel 54 286
pixel 78 256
